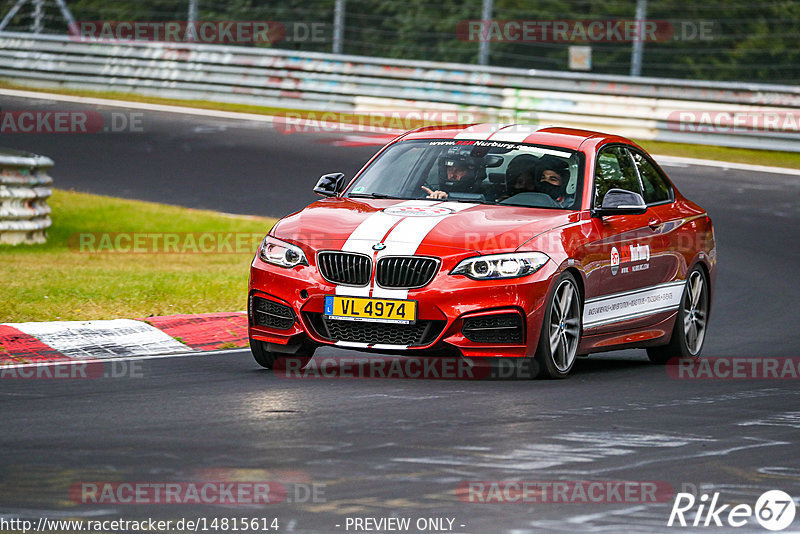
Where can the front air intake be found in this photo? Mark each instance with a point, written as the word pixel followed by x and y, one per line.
pixel 500 328
pixel 271 314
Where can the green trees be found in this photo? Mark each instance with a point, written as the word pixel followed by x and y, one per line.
pixel 734 40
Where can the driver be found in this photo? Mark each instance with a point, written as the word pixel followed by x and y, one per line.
pixel 458 173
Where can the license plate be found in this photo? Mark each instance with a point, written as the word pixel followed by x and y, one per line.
pixel 371 310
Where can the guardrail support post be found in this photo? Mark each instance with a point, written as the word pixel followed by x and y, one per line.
pixel 638 43
pixel 486 17
pixel 38 16
pixel 338 26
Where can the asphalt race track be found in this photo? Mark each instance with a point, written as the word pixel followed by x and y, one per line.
pixel 234 166
pixel 401 448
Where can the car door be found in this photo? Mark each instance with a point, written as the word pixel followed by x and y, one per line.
pixel 663 218
pixel 618 252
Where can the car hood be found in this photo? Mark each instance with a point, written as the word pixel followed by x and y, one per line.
pixel 422 227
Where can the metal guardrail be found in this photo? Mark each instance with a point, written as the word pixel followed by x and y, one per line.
pixel 644 108
pixel 24 190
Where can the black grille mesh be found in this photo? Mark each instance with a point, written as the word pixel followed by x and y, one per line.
pixel 501 328
pixel 271 314
pixel 420 333
pixel 405 272
pixel 345 268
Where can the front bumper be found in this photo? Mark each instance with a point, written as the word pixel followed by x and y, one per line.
pixel 456 315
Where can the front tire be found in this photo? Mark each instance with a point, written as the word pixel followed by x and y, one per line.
pixel 561 330
pixel 689 331
pixel 277 360
pixel 262 356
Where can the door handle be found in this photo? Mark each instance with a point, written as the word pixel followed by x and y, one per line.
pixel 654 223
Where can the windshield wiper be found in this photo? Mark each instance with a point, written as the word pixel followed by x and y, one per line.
pixel 470 200
pixel 372 195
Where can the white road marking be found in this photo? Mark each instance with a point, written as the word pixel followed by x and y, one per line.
pixel 784 419
pixel 109 339
pixel 84 361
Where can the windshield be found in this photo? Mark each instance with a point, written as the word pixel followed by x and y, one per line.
pixel 486 172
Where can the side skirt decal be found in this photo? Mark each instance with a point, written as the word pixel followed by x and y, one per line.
pixel 608 309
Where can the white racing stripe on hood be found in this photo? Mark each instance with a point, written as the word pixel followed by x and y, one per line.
pixel 371 231
pixel 406 238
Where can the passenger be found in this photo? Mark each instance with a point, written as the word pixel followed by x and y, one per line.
pixel 520 176
pixel 552 176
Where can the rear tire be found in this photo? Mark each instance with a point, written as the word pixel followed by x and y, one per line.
pixel 689 331
pixel 561 330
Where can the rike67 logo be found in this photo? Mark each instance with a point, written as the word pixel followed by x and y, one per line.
pixel 774 510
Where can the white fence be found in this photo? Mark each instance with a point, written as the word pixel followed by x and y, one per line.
pixel 714 113
pixel 24 189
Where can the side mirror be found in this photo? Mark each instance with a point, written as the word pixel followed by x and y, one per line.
pixel 330 185
pixel 621 202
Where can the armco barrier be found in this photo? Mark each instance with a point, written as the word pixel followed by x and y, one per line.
pixel 646 108
pixel 24 189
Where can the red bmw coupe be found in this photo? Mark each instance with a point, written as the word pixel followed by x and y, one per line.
pixel 488 242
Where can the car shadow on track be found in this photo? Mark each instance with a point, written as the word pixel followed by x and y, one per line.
pixel 344 365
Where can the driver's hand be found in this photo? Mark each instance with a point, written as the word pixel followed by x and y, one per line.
pixel 437 195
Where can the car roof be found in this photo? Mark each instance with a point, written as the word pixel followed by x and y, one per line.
pixel 571 138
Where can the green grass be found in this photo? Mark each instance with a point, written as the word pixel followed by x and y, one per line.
pixel 58 281
pixel 721 153
pixel 737 155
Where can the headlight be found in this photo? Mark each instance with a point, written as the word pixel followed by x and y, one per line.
pixel 497 266
pixel 280 253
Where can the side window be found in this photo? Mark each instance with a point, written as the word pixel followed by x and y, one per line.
pixel 614 170
pixel 656 188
